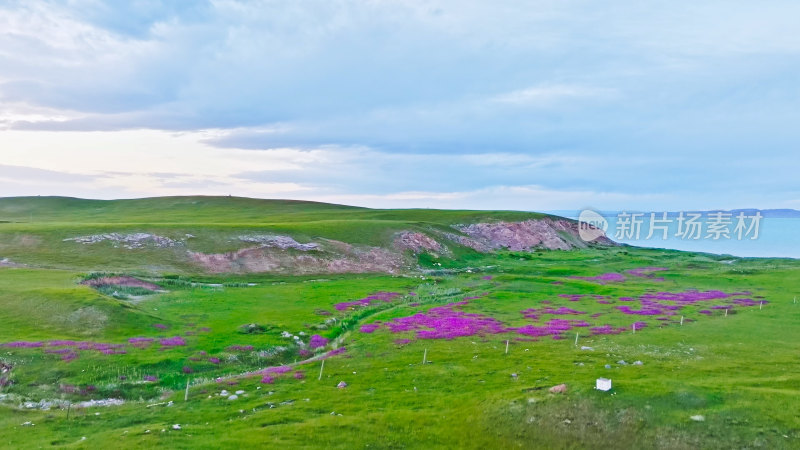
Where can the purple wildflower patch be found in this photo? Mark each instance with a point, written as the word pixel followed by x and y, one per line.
pixel 445 322
pixel 175 341
pixel 603 278
pixel 369 327
pixel 239 348
pixel 317 341
pixel 385 297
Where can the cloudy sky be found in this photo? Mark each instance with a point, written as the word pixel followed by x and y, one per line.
pixel 540 105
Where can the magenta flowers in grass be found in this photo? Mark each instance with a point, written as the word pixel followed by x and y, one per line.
pixel 175 341
pixel 239 348
pixel 317 341
pixel 385 297
pixel 446 322
pixel 369 327
pixel 603 278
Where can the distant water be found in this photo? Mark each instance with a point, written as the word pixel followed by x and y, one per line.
pixel 778 237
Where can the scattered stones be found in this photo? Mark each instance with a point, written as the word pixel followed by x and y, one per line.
pixel 129 241
pixel 698 418
pixel 514 376
pixel 177 426
pixel 239 392
pixel 622 362
pixel 341 385
pixel 28 424
pixel 608 366
pixel 233 397
pixel 224 393
pixel 638 363
pixel 559 389
pixel 583 347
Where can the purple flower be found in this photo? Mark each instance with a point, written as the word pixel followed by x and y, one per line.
pixel 266 379
pixel 24 344
pixel 187 369
pixel 175 341
pixel 151 378
pixel 299 375
pixel 214 360
pixel 160 326
pixel 317 341
pixel 240 348
pixel 369 327
pixel 603 278
pixel 385 297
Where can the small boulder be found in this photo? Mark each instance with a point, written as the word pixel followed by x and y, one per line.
pixel 638 363
pixel 240 392
pixel 341 385
pixel 233 397
pixel 698 418
pixel 608 366
pixel 559 389
pixel 622 362
pixel 177 426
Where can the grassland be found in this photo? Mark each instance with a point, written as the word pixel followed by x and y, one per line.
pixel 737 367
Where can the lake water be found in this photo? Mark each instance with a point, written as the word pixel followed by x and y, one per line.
pixel 778 237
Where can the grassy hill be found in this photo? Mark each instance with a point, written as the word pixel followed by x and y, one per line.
pixel 461 350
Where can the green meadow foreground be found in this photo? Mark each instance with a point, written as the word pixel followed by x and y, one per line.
pixel 411 331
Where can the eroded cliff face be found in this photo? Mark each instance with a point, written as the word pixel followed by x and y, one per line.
pixel 550 234
pixel 330 256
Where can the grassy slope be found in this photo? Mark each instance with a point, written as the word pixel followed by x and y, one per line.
pixel 33 229
pixel 740 371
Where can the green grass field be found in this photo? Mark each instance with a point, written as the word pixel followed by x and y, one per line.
pixel 737 365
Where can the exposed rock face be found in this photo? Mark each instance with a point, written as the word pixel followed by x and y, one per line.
pixel 417 242
pixel 283 254
pixel 282 242
pixel 129 241
pixel 551 234
pixel 333 257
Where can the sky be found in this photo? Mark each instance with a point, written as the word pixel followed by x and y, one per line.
pixel 537 105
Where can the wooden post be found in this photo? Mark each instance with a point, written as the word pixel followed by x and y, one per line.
pixel 321 366
pixel 634 328
pixel 186 394
pixel 760 305
pixel 681 320
pixel 425 357
pixel 506 346
pixel 69 406
pixel 726 312
pixel 576 339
